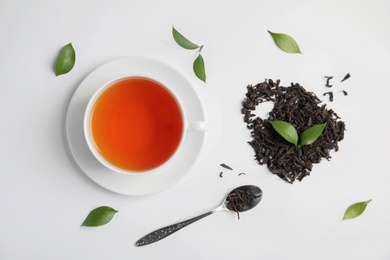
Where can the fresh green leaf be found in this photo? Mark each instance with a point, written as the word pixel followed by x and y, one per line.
pixel 183 41
pixel 311 134
pixel 66 60
pixel 356 209
pixel 285 42
pixel 99 216
pixel 199 68
pixel 286 130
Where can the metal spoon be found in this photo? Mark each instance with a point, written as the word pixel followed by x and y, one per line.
pixel 256 195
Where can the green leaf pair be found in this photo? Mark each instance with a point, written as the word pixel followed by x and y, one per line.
pixel 99 216
pixel 198 66
pixel 288 132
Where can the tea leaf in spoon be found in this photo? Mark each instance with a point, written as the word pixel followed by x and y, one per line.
pixel 199 68
pixel 285 42
pixel 99 216
pixel 286 130
pixel 311 134
pixel 183 41
pixel 66 60
pixel 356 209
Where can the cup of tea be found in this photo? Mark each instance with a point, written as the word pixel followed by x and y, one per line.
pixel 136 125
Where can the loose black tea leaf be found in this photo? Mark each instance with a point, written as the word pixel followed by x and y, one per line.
pixel 301 108
pixel 241 173
pixel 330 93
pixel 328 78
pixel 226 166
pixel 346 77
pixel 238 199
pixel 221 174
pixel 345 93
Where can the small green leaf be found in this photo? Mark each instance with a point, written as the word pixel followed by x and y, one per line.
pixel 183 41
pixel 286 130
pixel 66 60
pixel 285 42
pixel 99 216
pixel 311 134
pixel 355 210
pixel 199 68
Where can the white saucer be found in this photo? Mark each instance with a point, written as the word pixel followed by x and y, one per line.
pixel 135 184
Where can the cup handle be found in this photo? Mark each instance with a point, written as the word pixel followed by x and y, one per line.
pixel 199 126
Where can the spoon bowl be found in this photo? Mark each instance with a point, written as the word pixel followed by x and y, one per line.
pixel 256 195
pixel 240 199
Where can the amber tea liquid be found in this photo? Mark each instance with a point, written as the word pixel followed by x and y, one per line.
pixel 136 124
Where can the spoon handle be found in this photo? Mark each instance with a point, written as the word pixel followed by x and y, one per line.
pixel 168 230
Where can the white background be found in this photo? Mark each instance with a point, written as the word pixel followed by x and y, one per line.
pixel 45 196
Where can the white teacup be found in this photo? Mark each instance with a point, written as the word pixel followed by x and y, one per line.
pixel 136 125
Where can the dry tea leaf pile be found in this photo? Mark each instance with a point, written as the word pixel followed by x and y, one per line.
pixel 300 108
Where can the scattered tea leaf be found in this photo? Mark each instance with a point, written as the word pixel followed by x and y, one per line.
pixel 99 216
pixel 183 41
pixel 285 42
pixel 356 209
pixel 311 134
pixel 66 60
pixel 328 78
pixel 330 93
pixel 346 77
pixel 286 130
pixel 199 68
pixel 226 166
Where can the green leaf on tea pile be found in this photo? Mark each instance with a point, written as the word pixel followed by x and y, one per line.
pixel 355 210
pixel 99 216
pixel 199 68
pixel 285 42
pixel 286 130
pixel 183 41
pixel 311 134
pixel 66 60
